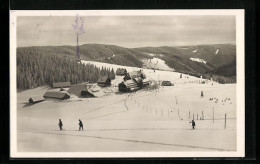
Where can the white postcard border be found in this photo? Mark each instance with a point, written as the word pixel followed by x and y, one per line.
pixel 240 50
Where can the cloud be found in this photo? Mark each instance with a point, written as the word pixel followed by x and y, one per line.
pixel 128 31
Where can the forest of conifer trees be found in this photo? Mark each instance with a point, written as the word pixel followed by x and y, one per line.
pixel 36 68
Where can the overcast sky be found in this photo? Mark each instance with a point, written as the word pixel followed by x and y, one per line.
pixel 127 31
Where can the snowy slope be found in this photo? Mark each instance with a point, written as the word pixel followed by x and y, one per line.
pixel 156 63
pixel 217 51
pixel 150 121
pixel 198 60
pixel 160 75
pixel 142 121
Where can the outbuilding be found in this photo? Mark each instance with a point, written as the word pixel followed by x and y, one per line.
pixel 134 74
pixel 121 71
pixel 128 85
pixel 166 83
pixel 86 93
pixel 132 85
pixel 58 95
pixel 86 90
pixel 104 81
pixel 35 100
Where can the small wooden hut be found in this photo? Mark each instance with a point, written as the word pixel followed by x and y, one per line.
pixel 121 71
pixel 57 95
pixel 104 81
pixel 166 83
pixel 35 100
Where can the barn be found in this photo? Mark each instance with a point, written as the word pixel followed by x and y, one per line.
pixel 104 81
pixel 61 85
pixel 166 83
pixel 121 71
pixel 35 100
pixel 128 85
pixel 86 93
pixel 86 90
pixel 57 95
pixel 134 74
pixel 132 85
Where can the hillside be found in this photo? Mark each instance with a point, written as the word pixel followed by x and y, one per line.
pixel 36 68
pixel 216 59
pixel 179 58
pixel 93 52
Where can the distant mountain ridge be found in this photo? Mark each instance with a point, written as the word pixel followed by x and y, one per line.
pixel 220 59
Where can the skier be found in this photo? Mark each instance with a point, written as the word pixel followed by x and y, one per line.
pixel 201 95
pixel 60 124
pixel 80 125
pixel 193 124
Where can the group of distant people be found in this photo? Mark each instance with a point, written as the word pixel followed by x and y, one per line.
pixel 80 124
pixel 193 124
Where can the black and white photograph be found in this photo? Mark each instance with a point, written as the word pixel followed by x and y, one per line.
pixel 127 83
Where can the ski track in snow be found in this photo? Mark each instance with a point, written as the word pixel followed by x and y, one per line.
pixel 93 110
pixel 113 112
pixel 129 140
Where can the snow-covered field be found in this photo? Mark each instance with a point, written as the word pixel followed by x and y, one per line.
pixel 141 121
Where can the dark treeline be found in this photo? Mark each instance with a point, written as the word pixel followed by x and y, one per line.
pixel 35 68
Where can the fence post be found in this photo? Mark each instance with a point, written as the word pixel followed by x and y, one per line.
pixel 213 114
pixel 225 121
pixel 202 115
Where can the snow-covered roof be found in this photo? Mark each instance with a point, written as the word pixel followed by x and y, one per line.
pixel 61 84
pixel 59 95
pixel 103 79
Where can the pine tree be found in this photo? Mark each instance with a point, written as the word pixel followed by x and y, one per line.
pixel 39 67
